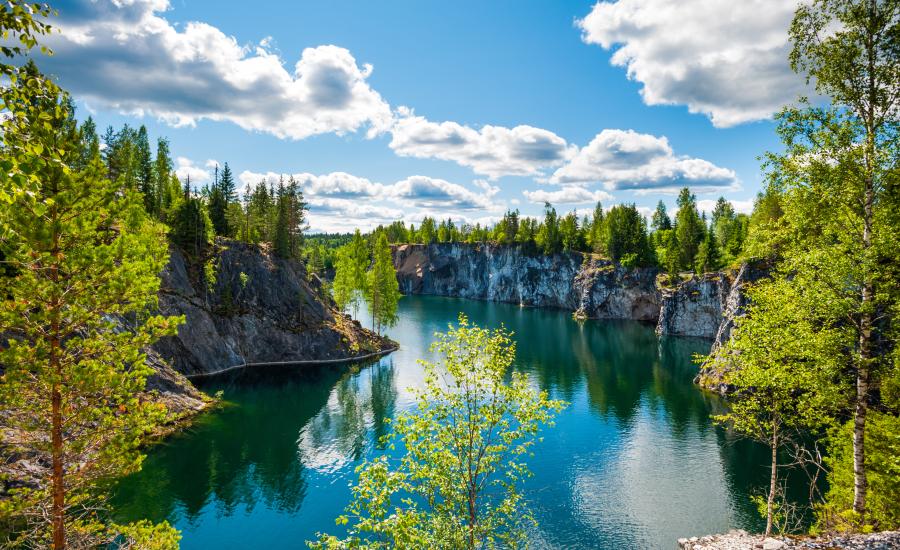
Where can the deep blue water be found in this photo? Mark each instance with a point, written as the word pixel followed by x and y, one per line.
pixel 633 462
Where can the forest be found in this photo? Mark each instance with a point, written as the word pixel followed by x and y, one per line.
pixel 812 367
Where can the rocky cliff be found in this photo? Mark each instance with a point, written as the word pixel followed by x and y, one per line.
pixel 570 280
pixel 700 306
pixel 245 305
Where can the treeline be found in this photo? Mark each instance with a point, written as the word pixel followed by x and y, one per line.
pixel 689 243
pixel 266 213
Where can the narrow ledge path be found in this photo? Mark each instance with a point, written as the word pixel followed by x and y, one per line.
pixel 310 362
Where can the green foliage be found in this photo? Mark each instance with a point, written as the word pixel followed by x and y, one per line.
pixel 689 230
pixel 626 236
pixel 780 364
pixel 708 257
pixel 661 220
pixel 548 238
pixel 458 485
pixel 882 469
pixel 382 289
pixel 191 228
pixel 75 315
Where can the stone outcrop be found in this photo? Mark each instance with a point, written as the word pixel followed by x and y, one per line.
pixel 245 305
pixel 741 540
pixel 694 307
pixel 569 280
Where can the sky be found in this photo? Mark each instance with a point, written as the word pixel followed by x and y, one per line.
pixel 464 109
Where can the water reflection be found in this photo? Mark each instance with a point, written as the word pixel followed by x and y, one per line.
pixel 634 462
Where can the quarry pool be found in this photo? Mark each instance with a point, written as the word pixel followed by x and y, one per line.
pixel 633 462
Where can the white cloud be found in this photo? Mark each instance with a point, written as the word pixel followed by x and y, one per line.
pixel 493 151
pixel 625 159
pixel 185 168
pixel 567 195
pixel 708 205
pixel 727 60
pixel 124 55
pixel 339 201
pixel 426 192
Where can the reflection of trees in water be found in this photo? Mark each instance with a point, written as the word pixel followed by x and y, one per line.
pixel 352 419
pixel 251 452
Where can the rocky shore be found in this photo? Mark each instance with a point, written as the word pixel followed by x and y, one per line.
pixel 741 540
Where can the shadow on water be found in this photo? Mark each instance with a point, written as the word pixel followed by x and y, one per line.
pixel 633 462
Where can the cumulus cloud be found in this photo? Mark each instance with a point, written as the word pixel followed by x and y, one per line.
pixel 493 151
pixel 427 192
pixel 625 159
pixel 186 168
pixel 125 55
pixel 567 195
pixel 340 201
pixel 727 60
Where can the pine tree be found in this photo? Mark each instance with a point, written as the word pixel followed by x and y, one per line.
pixel 383 289
pixel 86 261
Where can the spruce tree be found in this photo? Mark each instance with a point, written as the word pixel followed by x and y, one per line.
pixel 689 229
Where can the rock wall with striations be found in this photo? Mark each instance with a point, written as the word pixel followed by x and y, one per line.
pixel 700 306
pixel 259 308
pixel 569 280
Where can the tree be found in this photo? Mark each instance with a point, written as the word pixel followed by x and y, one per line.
pixel 548 238
pixel 383 288
pixel 841 205
pixel 689 229
pixel 358 263
pixel 144 169
pixel 226 184
pixel 192 230
pixel 342 288
pixel 708 257
pixel 457 486
pixel 779 364
pixel 508 227
pixel 626 237
pixel 85 260
pixel 281 239
pixel 661 220
pixel 427 231
pixel 570 233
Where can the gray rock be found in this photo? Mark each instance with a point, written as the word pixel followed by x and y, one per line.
pixel 259 309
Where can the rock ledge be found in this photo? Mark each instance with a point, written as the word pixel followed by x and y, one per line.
pixel 741 540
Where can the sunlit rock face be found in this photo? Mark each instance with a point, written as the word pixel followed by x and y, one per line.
pixel 702 306
pixel 258 308
pixel 568 280
pixel 694 307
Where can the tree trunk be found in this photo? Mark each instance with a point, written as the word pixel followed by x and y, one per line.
pixel 773 481
pixel 59 490
pixel 860 483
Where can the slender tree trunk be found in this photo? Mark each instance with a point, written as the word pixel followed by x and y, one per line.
pixel 860 484
pixel 773 482
pixel 57 481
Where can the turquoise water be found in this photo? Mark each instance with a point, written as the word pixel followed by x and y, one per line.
pixel 633 462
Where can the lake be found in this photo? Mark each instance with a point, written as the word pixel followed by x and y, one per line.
pixel 633 462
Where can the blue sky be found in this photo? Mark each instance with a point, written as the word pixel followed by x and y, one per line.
pixel 462 109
